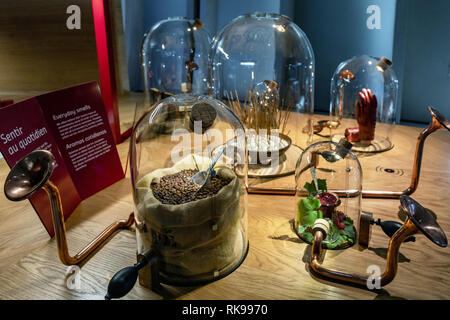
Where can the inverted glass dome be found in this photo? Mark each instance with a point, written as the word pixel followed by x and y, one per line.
pixel 254 50
pixel 174 56
pixel 197 227
pixel 328 180
pixel 363 103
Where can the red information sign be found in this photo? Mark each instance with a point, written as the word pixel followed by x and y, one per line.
pixel 70 123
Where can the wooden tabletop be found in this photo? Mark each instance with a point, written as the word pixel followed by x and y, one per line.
pixel 276 265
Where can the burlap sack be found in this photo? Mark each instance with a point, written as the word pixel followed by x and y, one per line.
pixel 199 239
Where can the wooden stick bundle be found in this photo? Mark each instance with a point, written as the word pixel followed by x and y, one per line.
pixel 259 112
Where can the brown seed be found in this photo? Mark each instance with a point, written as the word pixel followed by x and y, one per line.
pixel 177 189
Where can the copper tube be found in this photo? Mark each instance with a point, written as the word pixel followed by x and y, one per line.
pixel 437 122
pixel 278 191
pixel 32 173
pixel 293 192
pixel 60 229
pixel 403 233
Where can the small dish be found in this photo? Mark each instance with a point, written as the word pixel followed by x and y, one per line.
pixel 262 148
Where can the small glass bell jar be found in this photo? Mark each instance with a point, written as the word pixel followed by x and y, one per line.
pixel 188 164
pixel 328 186
pixel 363 103
pixel 174 57
pixel 258 51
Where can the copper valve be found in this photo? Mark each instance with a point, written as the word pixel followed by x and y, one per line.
pixel 418 219
pixel 31 174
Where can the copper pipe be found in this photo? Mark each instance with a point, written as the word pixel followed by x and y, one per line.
pixel 408 229
pixel 438 121
pixel 293 192
pixel 60 229
pixel 340 193
pixel 31 174
pixel 282 192
pixel 316 252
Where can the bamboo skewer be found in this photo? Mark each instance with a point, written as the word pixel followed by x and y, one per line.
pixel 259 114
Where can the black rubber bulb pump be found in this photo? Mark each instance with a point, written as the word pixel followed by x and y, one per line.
pixel 124 280
pixel 391 227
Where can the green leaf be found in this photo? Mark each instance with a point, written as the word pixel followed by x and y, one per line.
pixel 341 236
pixel 307 212
pixel 322 184
pixel 311 187
pixel 334 228
pixel 308 237
pixel 348 221
pixel 337 243
pixel 349 232
pixel 302 229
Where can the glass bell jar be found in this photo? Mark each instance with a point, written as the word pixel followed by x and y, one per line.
pixel 256 57
pixel 363 103
pixel 174 57
pixel 328 180
pixel 188 163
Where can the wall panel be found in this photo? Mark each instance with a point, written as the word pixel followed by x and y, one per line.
pixel 38 52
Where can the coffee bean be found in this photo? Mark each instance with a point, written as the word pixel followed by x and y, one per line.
pixel 177 189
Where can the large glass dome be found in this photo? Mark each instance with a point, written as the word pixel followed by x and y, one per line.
pixel 174 58
pixel 258 51
pixel 328 180
pixel 363 103
pixel 198 230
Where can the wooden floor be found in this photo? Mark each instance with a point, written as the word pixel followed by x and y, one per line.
pixel 275 267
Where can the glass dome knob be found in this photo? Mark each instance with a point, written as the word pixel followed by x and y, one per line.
pixel 383 64
pixel 191 65
pixel 347 75
pixel 265 93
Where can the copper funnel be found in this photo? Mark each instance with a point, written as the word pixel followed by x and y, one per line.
pixel 418 220
pixel 29 175
pixel 32 173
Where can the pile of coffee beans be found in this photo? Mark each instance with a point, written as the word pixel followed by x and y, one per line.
pixel 177 189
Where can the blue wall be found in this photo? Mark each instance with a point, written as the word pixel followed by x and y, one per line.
pixel 217 13
pixel 337 31
pixel 426 78
pixel 138 16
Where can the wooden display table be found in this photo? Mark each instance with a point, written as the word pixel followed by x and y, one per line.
pixel 276 265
